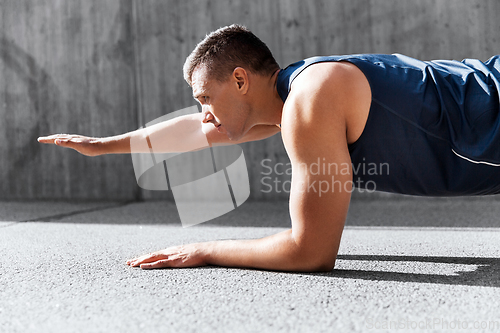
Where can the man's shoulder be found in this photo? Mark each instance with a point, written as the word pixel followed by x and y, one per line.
pixel 319 83
pixel 324 91
pixel 325 75
pixel 327 96
pixel 312 114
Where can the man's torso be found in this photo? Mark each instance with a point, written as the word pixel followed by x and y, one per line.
pixel 423 121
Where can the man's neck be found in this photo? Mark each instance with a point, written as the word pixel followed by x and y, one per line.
pixel 268 105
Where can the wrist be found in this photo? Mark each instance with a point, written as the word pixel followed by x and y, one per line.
pixel 206 250
pixel 111 145
pixel 99 146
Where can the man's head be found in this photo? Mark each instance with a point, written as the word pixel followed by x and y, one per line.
pixel 220 71
pixel 228 48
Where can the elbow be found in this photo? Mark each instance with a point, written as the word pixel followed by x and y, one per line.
pixel 315 261
pixel 325 265
pixel 313 255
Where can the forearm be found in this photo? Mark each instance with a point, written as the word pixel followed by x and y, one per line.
pixel 277 252
pixel 180 134
pixel 118 144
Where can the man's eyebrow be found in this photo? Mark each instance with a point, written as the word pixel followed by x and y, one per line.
pixel 198 93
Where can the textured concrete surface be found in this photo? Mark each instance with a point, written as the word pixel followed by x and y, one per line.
pixel 428 265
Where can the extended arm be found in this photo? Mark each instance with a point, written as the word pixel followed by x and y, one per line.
pixel 181 134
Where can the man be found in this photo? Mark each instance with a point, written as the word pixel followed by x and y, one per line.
pixel 433 125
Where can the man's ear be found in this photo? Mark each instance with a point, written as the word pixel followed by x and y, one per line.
pixel 240 77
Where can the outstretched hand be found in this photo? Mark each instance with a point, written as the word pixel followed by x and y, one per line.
pixel 82 144
pixel 189 255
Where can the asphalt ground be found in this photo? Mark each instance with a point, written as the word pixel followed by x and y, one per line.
pixel 404 265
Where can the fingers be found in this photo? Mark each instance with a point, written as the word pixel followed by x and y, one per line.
pixel 146 259
pixel 175 257
pixel 161 259
pixel 82 144
pixel 157 264
pixel 53 138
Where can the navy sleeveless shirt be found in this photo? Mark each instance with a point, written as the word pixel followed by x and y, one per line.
pixel 433 127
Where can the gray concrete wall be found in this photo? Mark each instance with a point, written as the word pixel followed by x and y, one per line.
pixel 101 68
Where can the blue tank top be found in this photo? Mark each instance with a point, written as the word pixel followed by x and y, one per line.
pixel 433 127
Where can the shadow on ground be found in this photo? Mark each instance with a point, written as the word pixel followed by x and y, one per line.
pixel 467 271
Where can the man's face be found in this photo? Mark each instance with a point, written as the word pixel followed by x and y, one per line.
pixel 220 102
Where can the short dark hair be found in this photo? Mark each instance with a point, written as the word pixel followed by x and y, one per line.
pixel 227 48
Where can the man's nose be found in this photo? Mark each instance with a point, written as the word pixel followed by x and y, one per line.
pixel 208 117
